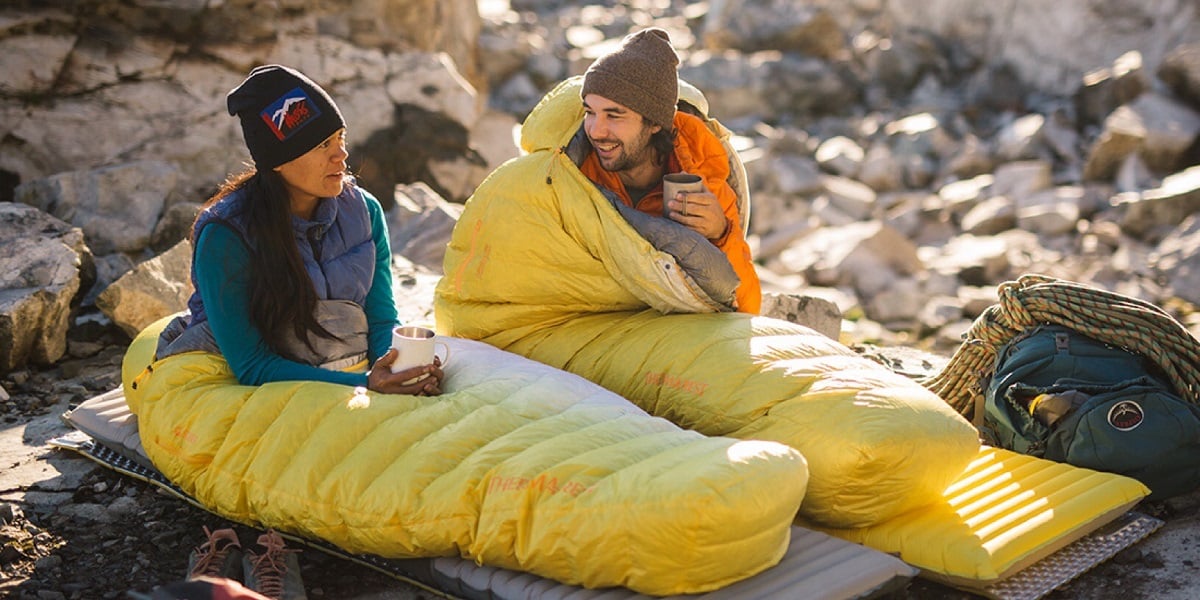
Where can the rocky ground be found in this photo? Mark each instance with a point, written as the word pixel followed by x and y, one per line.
pixel 70 529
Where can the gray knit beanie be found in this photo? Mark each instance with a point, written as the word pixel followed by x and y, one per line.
pixel 283 114
pixel 640 75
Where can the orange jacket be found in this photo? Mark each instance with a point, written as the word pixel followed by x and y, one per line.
pixel 697 151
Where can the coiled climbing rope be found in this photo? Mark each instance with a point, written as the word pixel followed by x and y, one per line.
pixel 1129 323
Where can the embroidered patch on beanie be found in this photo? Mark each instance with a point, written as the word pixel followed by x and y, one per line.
pixel 289 113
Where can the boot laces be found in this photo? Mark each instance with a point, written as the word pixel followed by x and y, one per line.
pixel 212 553
pixel 270 567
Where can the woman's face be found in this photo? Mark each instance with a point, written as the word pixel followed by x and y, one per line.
pixel 318 173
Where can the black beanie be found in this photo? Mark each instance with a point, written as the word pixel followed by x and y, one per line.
pixel 283 114
pixel 640 75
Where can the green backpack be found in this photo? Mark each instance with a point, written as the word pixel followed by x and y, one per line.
pixel 1085 376
pixel 1061 395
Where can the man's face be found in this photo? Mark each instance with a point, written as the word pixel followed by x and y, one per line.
pixel 620 136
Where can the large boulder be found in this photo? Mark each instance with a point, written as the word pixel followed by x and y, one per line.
pixel 116 207
pixel 150 291
pixel 44 263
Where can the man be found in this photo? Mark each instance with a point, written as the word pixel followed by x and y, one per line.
pixel 574 226
pixel 637 135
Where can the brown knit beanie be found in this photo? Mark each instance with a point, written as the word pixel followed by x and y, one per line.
pixel 640 75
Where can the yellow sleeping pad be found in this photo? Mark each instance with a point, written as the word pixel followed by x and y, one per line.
pixel 1006 512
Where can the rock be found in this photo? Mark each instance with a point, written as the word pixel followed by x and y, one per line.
pixel 1171 130
pixel 1156 126
pixel 1177 260
pixel 940 311
pixel 818 314
pixel 408 151
pixel 504 49
pixel 105 55
pixel 116 207
pixel 1050 212
pixel 174 226
pixel 1180 70
pixel 896 305
pixel 991 216
pixel 8 513
pixel 109 268
pixel 1048 46
pixel 432 82
pixel 1021 139
pixel 1048 219
pixel 154 289
pixel 976 299
pixel 772 25
pixel 880 170
pixel 1021 179
pixel 420 225
pixel 491 144
pixel 959 196
pixel 44 263
pixel 897 63
pixel 841 155
pixel 977 260
pixel 854 199
pixel 1060 135
pixel 867 256
pixel 1166 205
pixel 735 83
pixel 31 62
pixel 972 158
pixel 1103 90
pixel 792 175
pixel 1133 175
pixel 800 85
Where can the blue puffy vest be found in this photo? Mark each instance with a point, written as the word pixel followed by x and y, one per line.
pixel 336 245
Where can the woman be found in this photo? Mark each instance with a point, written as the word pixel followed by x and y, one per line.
pixel 291 262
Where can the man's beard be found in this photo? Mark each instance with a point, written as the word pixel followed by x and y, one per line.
pixel 624 160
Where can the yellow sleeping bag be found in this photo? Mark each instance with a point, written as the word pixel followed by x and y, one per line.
pixel 517 466
pixel 541 264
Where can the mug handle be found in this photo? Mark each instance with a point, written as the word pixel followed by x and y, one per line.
pixel 445 347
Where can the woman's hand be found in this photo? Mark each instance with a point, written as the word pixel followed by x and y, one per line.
pixel 428 378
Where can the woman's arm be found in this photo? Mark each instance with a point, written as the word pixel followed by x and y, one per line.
pixel 380 304
pixel 223 278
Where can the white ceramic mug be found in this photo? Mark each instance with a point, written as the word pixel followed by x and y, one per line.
pixel 416 347
pixel 673 183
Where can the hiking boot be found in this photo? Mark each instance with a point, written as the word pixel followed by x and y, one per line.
pixel 219 556
pixel 274 572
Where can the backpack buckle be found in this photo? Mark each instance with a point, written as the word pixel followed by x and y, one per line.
pixel 1062 341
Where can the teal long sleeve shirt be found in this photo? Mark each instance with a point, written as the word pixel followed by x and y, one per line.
pixel 222 272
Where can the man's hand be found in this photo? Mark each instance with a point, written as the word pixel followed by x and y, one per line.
pixel 700 212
